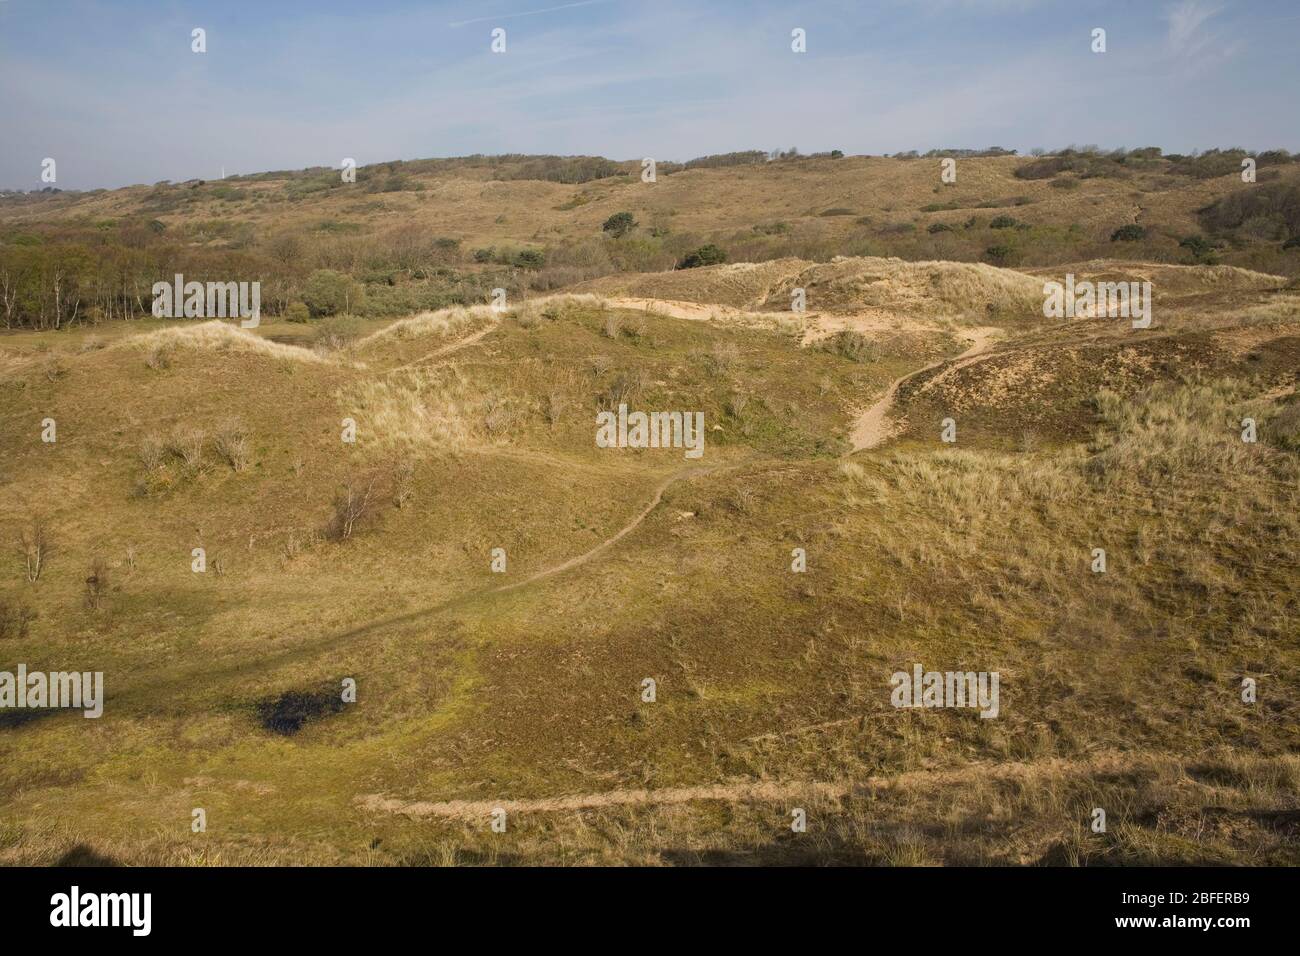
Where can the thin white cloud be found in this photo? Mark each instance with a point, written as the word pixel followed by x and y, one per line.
pixel 1186 22
pixel 527 13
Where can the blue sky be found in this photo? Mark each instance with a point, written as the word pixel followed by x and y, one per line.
pixel 112 91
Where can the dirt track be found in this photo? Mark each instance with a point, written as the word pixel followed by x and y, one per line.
pixel 873 426
pixel 758 791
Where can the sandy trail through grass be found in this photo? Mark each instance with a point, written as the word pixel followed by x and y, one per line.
pixel 758 791
pixel 873 426
pixel 610 541
pixel 448 349
pixel 368 628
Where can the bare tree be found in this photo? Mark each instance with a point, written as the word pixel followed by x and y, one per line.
pixel 35 547
pixel 352 503
pixel 96 583
pixel 403 478
pixel 8 295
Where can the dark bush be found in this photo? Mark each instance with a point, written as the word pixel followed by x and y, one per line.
pixel 1001 255
pixel 1044 168
pixel 619 224
pixel 709 255
pixel 1129 233
pixel 1276 204
pixel 749 157
pixel 529 259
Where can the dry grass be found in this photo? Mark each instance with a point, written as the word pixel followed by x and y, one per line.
pixel 215 336
pixel 1121 689
pixel 423 409
pixel 444 323
pixel 186 443
pixel 234 444
pixel 960 290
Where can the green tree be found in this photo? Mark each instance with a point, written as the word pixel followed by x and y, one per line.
pixel 619 224
pixel 529 259
pixel 709 255
pixel 330 293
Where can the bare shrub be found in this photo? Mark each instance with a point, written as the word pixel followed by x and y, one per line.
pixel 187 445
pixel 403 478
pixel 234 445
pixel 554 408
pixel 611 327
pixel 97 583
pixel 742 500
pixel 338 332
pixel 496 417
pixel 852 345
pixel 624 389
pixel 159 356
pixel 15 618
pixel 353 503
pixel 737 404
pixel 600 364
pixel 35 547
pixel 153 450
pixel 723 355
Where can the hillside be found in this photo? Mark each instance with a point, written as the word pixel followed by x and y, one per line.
pixel 427 234
pixel 523 690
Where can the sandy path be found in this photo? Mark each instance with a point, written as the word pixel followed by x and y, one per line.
pixel 707 312
pixel 365 629
pixel 814 325
pixel 873 426
pixel 731 793
pixel 759 791
pixel 447 349
pixel 695 311
pixel 610 541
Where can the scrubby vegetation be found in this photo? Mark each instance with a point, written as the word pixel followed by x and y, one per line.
pixel 72 259
pixel 709 255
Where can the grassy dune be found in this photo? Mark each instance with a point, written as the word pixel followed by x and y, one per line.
pixel 474 431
